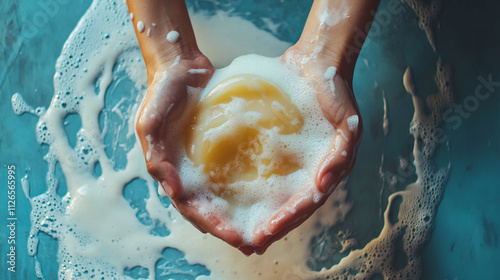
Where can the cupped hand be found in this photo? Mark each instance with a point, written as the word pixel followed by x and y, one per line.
pixel 162 105
pixel 165 99
pixel 339 107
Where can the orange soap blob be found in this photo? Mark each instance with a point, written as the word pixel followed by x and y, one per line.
pixel 231 132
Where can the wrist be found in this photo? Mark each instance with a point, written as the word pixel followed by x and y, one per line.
pixel 321 49
pixel 176 52
pixel 181 63
pixel 167 57
pixel 335 31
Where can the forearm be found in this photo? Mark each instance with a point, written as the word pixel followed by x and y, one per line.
pixel 153 20
pixel 336 29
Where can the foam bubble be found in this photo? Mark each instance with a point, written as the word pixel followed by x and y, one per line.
pixel 140 26
pixel 197 71
pixel 352 122
pixel 173 36
pixel 329 74
pixel 19 105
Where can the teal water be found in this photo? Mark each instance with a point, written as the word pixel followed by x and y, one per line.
pixel 465 242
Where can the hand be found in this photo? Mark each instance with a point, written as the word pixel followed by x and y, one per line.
pixel 165 100
pixel 330 38
pixel 162 105
pixel 339 107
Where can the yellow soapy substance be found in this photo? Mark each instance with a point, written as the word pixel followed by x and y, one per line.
pixel 239 145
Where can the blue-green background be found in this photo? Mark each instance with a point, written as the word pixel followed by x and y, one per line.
pixel 465 243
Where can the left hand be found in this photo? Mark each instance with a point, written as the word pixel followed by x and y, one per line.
pixel 339 107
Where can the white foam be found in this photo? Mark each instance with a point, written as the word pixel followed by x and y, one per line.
pixel 19 105
pixel 353 122
pixel 226 51
pixel 329 75
pixel 150 147
pixel 331 16
pixel 173 36
pixel 197 71
pixel 140 26
pixel 176 62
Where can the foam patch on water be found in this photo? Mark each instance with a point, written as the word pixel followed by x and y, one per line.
pixel 402 238
pixel 426 11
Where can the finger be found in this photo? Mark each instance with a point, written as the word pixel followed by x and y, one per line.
pixel 153 122
pixel 291 215
pixel 279 235
pixel 297 209
pixel 159 166
pixel 247 249
pixel 341 111
pixel 210 222
pixel 337 163
pixel 166 175
pixel 285 221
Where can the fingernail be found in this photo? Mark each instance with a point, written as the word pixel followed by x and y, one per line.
pixel 326 182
